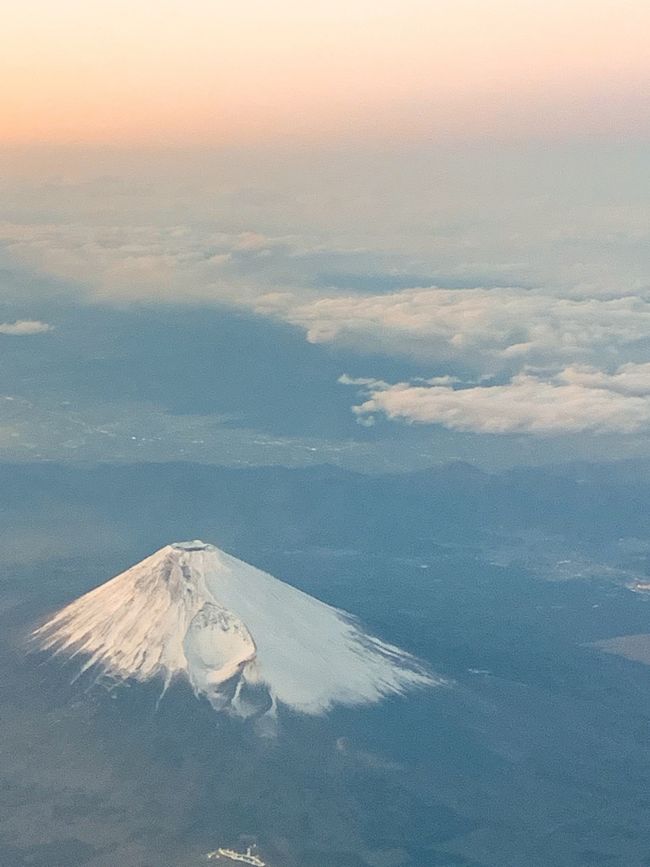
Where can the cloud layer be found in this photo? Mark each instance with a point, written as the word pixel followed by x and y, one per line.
pixel 560 358
pixel 490 329
pixel 577 399
pixel 502 324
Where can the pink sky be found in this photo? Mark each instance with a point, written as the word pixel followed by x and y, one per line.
pixel 208 71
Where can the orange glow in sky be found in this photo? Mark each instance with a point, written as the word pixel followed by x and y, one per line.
pixel 211 71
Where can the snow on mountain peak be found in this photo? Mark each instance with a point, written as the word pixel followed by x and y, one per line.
pixel 243 639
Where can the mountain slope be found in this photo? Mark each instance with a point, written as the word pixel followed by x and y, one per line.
pixel 243 639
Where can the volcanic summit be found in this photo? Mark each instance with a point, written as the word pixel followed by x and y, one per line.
pixel 243 639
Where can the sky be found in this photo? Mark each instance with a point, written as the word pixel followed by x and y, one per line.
pixel 382 235
pixel 215 72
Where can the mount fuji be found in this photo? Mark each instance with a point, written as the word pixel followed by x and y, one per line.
pixel 243 639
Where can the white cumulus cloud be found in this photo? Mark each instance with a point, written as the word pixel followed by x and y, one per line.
pixel 505 325
pixel 577 399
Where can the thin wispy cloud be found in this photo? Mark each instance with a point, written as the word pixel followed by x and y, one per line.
pixel 24 327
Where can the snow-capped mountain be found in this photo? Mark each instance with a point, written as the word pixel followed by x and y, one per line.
pixel 242 638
